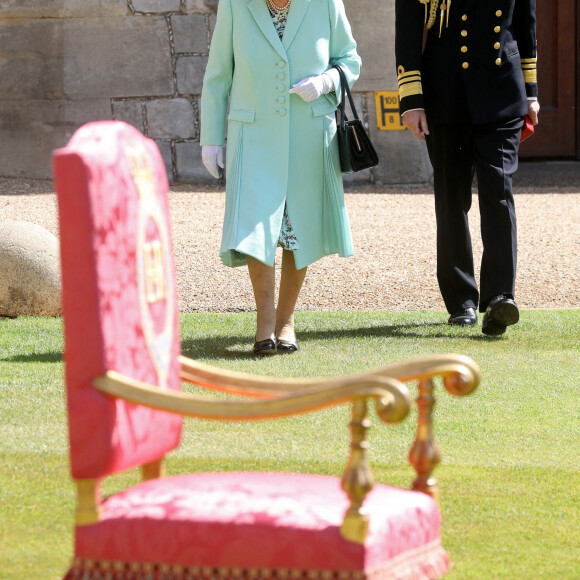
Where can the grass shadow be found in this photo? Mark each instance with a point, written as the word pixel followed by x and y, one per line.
pixel 228 347
pixel 38 357
pixel 409 330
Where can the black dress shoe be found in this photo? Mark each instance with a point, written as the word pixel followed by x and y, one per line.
pixel 286 346
pixel 464 317
pixel 267 346
pixel 501 312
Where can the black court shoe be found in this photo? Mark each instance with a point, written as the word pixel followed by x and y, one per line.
pixel 267 346
pixel 286 346
pixel 464 317
pixel 501 312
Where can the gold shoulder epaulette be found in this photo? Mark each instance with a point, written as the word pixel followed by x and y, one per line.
pixel 529 68
pixel 409 82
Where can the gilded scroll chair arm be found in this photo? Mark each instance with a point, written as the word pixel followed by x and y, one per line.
pixel 460 373
pixel 391 395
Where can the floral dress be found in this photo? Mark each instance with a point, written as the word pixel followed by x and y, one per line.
pixel 287 239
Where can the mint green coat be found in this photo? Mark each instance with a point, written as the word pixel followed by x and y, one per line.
pixel 280 149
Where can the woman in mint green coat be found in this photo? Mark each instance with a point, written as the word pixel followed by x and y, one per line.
pixel 271 61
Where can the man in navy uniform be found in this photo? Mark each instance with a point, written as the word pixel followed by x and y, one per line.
pixel 467 76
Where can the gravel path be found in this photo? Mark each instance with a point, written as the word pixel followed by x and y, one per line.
pixel 394 239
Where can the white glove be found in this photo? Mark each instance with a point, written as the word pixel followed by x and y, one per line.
pixel 311 88
pixel 212 156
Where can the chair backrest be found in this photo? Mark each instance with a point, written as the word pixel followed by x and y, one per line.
pixel 119 294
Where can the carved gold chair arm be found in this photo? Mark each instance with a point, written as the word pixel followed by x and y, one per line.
pixel 461 376
pixel 391 395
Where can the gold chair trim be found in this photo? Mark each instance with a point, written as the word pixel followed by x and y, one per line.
pixel 431 554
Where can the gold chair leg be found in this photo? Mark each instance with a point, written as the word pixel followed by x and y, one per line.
pixel 357 480
pixel 425 455
pixel 88 502
pixel 153 470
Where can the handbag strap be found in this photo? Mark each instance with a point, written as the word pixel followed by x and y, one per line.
pixel 344 91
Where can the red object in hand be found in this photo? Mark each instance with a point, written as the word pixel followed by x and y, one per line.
pixel 527 129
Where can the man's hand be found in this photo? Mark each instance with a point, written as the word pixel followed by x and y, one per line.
pixel 417 122
pixel 533 110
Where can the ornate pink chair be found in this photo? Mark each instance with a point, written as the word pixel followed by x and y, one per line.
pixel 125 407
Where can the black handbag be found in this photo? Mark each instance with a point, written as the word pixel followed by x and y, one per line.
pixel 354 146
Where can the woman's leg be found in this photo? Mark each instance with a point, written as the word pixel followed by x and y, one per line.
pixel 290 284
pixel 262 278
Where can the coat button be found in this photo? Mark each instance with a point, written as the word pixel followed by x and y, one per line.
pixel 281 100
pixel 498 61
pixel 281 63
pixel 497 45
pixel 498 13
pixel 464 17
pixel 281 76
pixel 497 29
pixel 281 111
pixel 464 49
pixel 465 65
pixel 464 33
pixel 280 87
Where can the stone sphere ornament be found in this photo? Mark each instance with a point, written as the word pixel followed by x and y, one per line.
pixel 30 281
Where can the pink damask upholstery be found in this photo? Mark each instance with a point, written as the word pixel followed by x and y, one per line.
pixel 120 313
pixel 114 231
pixel 266 522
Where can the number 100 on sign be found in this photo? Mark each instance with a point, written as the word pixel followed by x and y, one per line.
pixel 387 107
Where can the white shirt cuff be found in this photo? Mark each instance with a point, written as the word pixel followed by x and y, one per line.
pixel 409 110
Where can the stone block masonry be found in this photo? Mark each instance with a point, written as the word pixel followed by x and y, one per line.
pixel 142 61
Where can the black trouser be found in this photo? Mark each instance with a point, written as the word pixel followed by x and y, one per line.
pixel 456 152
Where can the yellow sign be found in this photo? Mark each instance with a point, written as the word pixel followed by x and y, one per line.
pixel 387 106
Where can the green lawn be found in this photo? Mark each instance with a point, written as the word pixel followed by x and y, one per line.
pixel 510 481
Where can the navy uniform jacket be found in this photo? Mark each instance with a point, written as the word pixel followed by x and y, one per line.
pixel 482 67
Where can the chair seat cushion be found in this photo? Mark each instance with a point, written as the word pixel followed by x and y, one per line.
pixel 264 521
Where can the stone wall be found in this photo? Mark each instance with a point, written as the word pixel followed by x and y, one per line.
pixel 67 62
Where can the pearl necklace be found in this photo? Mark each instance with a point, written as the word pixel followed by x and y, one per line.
pixel 276 10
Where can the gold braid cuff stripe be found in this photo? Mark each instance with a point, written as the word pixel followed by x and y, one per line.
pixel 408 89
pixel 529 68
pixel 402 74
pixel 409 82
pixel 530 76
